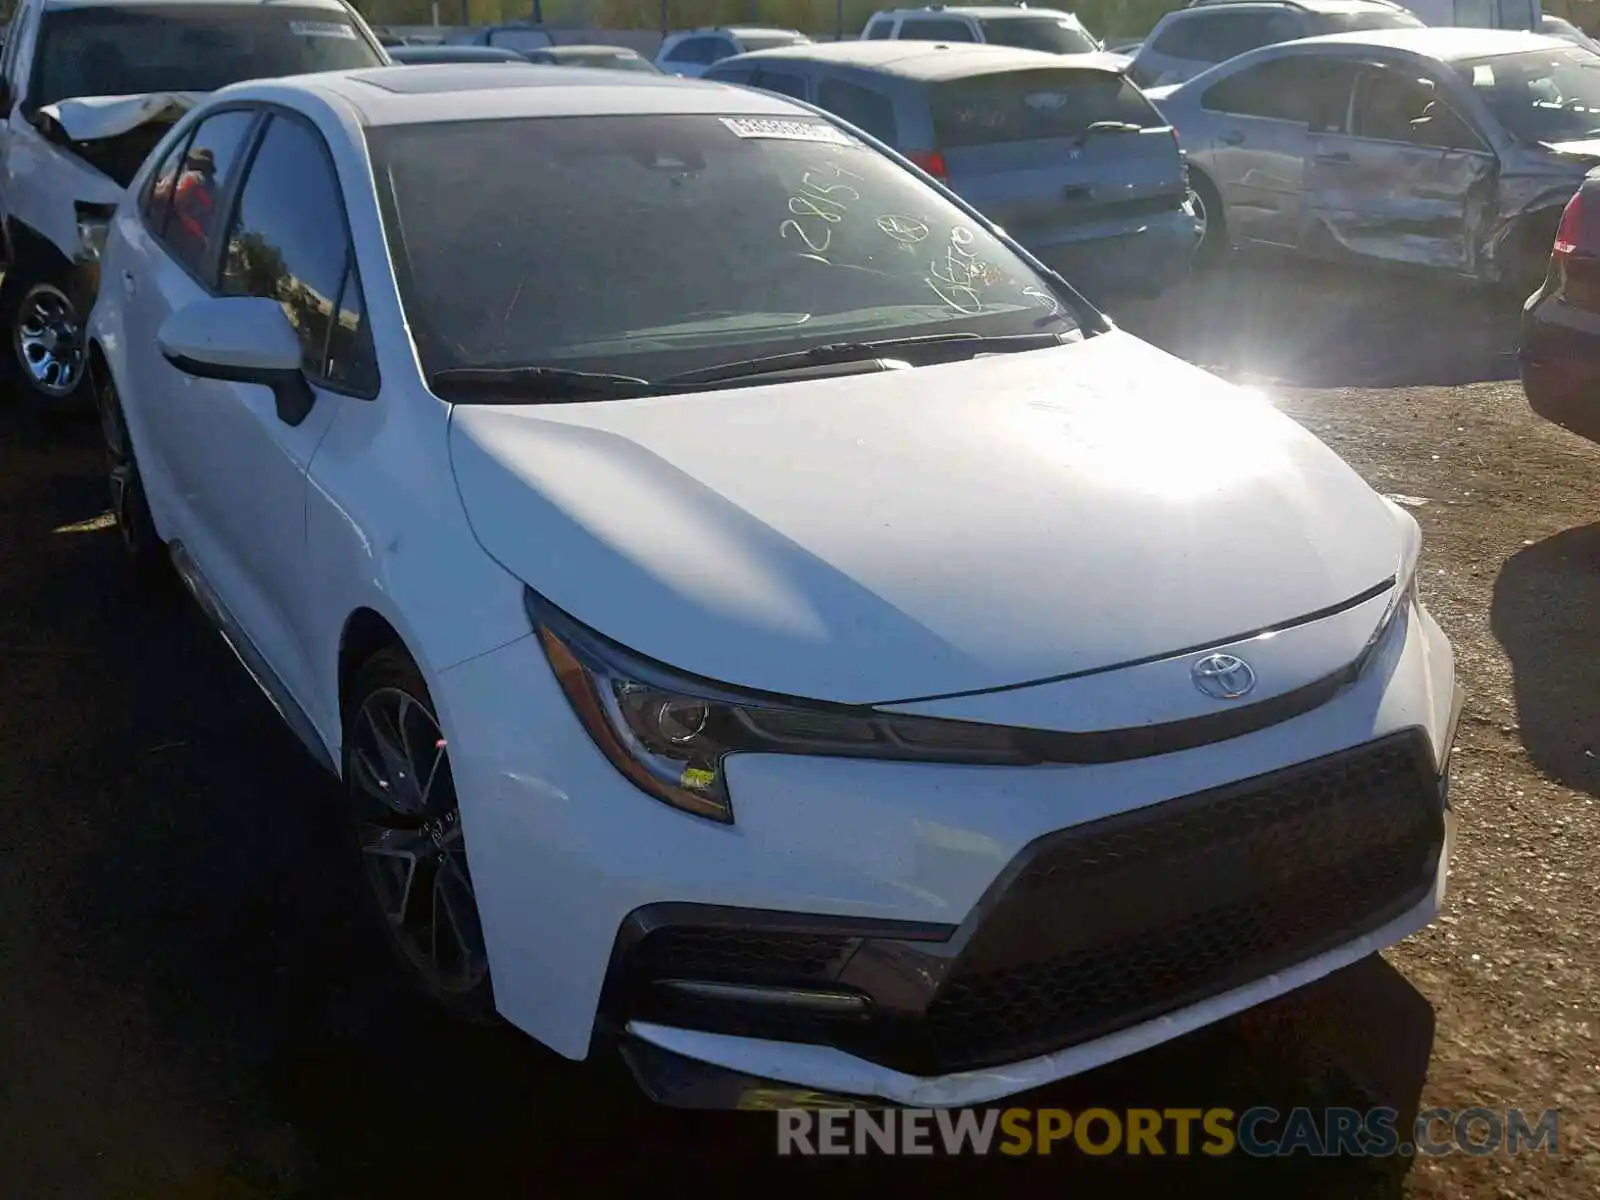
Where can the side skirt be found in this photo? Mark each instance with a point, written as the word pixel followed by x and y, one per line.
pixel 251 659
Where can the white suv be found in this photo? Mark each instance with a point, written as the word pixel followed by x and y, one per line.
pixel 692 52
pixel 1046 29
pixel 87 88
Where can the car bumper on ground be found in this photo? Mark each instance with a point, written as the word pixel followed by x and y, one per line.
pixel 1140 257
pixel 1560 364
pixel 940 935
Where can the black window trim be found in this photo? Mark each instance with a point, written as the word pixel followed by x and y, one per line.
pixel 228 206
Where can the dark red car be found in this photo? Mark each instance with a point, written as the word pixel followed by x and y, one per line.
pixel 1561 322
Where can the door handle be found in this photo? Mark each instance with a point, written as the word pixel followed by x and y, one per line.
pixel 1339 156
pixel 1234 137
pixel 128 284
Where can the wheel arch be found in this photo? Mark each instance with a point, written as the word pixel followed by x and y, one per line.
pixel 366 631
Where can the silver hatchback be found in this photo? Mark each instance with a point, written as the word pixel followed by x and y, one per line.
pixel 1448 148
pixel 1061 149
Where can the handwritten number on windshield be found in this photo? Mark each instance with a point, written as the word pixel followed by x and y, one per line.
pixel 819 205
pixel 952 278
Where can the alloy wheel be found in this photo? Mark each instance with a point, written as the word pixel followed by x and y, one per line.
pixel 1197 204
pixel 412 851
pixel 47 338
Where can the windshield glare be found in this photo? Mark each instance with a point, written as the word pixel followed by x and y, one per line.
pixel 1055 35
pixel 189 48
pixel 771 41
pixel 1359 22
pixel 653 245
pixel 1541 95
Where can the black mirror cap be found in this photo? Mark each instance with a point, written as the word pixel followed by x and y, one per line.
pixel 292 395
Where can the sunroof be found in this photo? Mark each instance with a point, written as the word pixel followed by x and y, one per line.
pixel 458 77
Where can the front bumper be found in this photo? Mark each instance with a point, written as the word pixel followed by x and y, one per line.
pixel 946 935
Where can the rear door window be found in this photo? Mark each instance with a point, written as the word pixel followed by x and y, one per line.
pixel 785 83
pixel 186 193
pixel 881 28
pixel 921 29
pixel 1020 106
pixel 520 39
pixel 1312 91
pixel 862 107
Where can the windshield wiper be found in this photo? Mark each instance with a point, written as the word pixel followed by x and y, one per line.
pixel 538 383
pixel 844 352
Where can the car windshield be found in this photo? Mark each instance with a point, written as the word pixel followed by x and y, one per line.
pixel 1360 21
pixel 604 58
pixel 1055 35
pixel 771 41
pixel 1541 95
pixel 655 245
pixel 1020 106
pixel 187 48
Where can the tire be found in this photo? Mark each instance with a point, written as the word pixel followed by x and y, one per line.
pixel 145 551
pixel 46 353
pixel 405 833
pixel 1214 230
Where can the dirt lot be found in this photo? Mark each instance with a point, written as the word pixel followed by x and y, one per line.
pixel 191 1012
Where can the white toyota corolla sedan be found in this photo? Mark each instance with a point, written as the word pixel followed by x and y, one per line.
pixel 840 655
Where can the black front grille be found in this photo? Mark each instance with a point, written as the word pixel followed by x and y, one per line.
pixel 742 955
pixel 1112 923
pixel 1093 929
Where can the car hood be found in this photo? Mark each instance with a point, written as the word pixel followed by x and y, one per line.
pixel 921 532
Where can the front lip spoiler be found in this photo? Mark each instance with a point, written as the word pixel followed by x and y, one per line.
pixel 829 1072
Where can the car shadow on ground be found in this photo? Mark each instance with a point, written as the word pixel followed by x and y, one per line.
pixel 1317 325
pixel 201 1015
pixel 1554 647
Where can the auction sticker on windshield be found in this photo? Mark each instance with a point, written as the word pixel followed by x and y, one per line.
pixel 794 131
pixel 327 29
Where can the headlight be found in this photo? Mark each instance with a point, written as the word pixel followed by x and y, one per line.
pixel 94 221
pixel 1404 594
pixel 670 734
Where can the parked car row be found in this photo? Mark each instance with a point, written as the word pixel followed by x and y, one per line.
pixel 664 634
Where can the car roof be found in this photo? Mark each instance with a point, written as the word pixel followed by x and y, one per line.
pixel 741 30
pixel 454 54
pixel 987 11
pixel 590 48
pixel 329 5
pixel 931 61
pixel 421 94
pixel 1446 43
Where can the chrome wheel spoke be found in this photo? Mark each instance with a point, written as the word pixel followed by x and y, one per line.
pixel 48 339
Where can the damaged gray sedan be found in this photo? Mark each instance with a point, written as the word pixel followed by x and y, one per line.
pixel 1449 148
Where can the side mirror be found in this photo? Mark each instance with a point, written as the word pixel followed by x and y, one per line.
pixel 240 339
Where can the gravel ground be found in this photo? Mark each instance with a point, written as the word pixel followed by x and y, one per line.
pixel 191 1012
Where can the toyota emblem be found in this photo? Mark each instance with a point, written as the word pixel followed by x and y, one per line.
pixel 1223 677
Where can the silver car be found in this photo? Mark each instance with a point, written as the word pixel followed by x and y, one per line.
pixel 1195 39
pixel 1061 149
pixel 1448 148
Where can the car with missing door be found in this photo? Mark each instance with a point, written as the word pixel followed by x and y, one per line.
pixel 1452 149
pixel 1062 150
pixel 86 88
pixel 800 637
